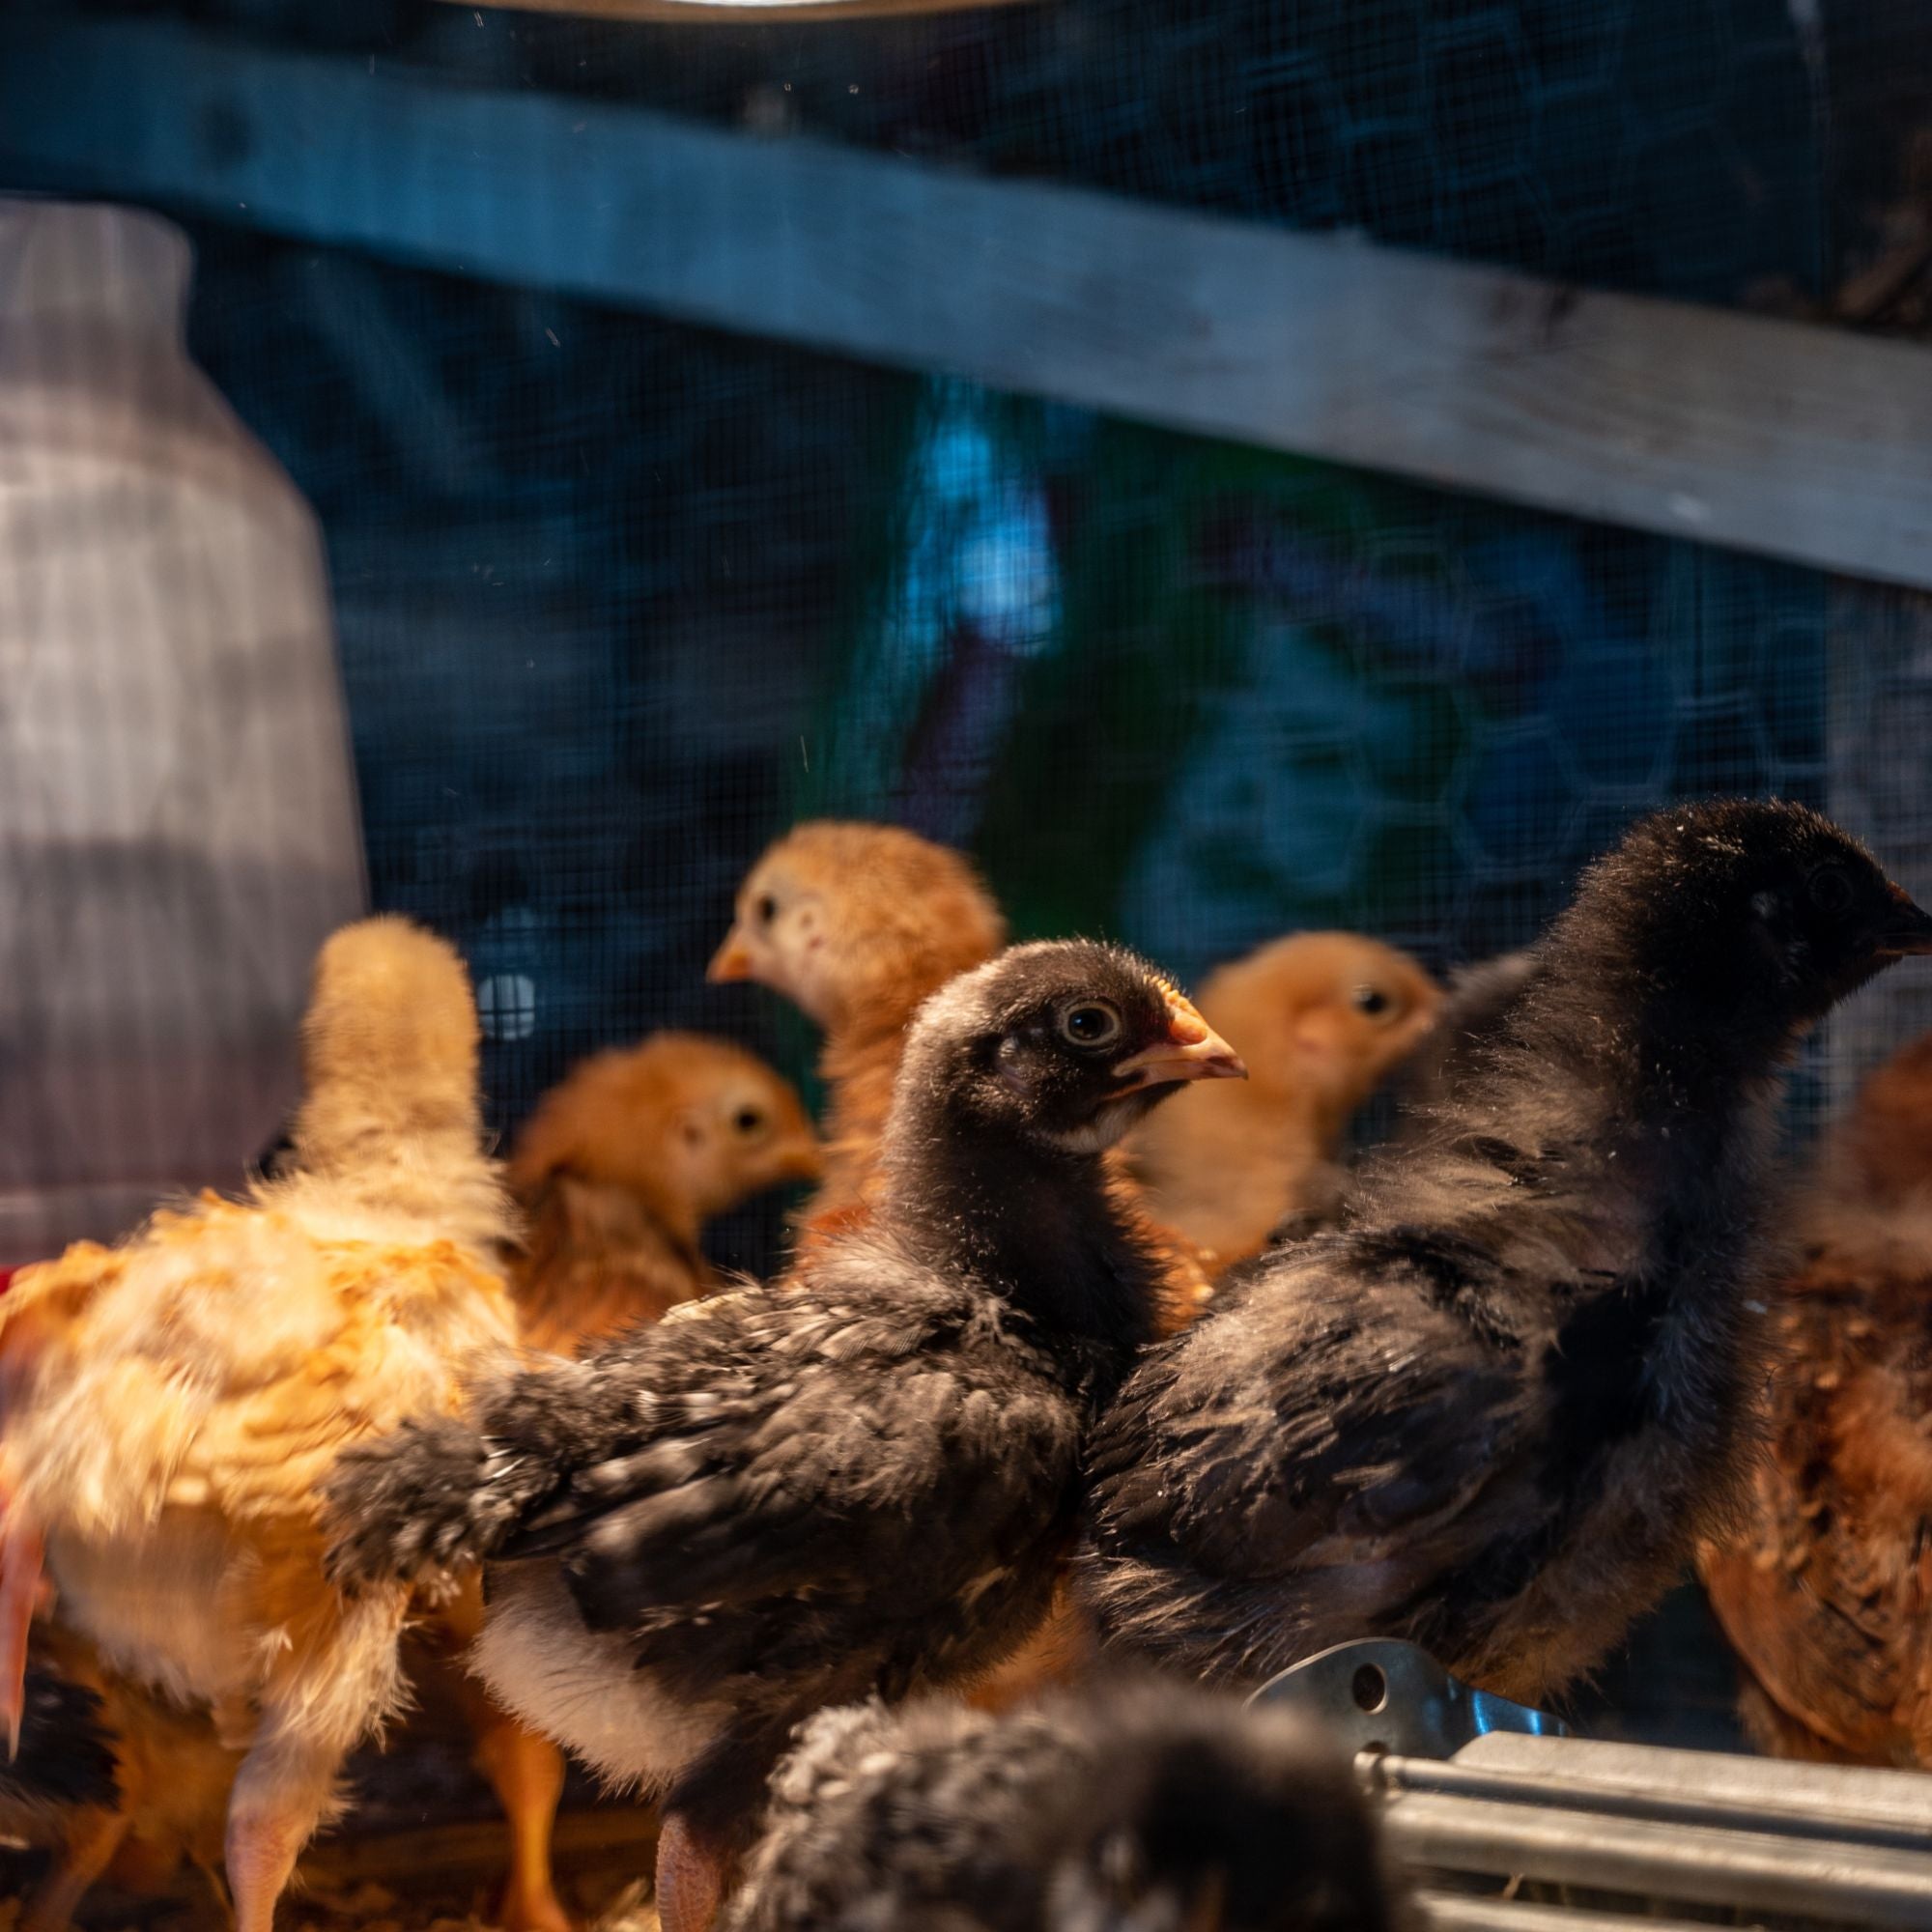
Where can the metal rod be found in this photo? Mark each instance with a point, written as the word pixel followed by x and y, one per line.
pixel 1690 1863
pixel 1900 1800
pixel 1560 1790
pixel 1458 1912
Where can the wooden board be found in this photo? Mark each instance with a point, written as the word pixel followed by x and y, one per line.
pixel 743 12
pixel 1778 438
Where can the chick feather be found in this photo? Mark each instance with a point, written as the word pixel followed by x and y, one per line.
pixel 1824 1584
pixel 860 1482
pixel 1156 1808
pixel 1320 1018
pixel 65 1759
pixel 623 1163
pixel 175 1401
pixel 858 924
pixel 1492 1412
pixel 113 1778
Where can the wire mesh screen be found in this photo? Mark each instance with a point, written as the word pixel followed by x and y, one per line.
pixel 1179 691
pixel 616 598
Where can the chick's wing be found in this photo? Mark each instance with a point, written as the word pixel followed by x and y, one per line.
pixel 1826 1591
pixel 1298 1427
pixel 796 1440
pixel 225 1356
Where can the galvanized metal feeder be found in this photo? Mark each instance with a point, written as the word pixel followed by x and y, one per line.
pixel 1510 1824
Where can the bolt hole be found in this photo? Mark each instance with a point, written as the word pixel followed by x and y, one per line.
pixel 1370 1689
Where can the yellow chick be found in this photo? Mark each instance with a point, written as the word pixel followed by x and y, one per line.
pixel 172 1404
pixel 1320 1018
pixel 622 1164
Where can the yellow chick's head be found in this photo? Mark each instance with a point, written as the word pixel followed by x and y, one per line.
pixel 847 919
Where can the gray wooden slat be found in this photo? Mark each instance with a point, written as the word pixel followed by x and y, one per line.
pixel 742 12
pixel 1772 436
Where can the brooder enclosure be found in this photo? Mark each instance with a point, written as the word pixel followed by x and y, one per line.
pixel 1231 468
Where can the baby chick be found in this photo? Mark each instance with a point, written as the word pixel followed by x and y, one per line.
pixel 861 1485
pixel 60 1789
pixel 1492 1414
pixel 621 1166
pixel 1142 1809
pixel 617 1170
pixel 1467 1015
pixel 1322 1019
pixel 115 1779
pixel 171 1404
pixel 1824 1586
pixel 856 924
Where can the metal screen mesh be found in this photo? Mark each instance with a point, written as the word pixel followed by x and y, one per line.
pixel 619 598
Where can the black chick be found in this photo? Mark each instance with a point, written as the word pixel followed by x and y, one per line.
pixel 65 1757
pixel 1472 1010
pixel 1152 1809
pixel 858 1485
pixel 1491 1413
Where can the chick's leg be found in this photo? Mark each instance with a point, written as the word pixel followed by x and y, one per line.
pixel 525 1770
pixel 92 1840
pixel 335 1680
pixel 267 1829
pixel 689 1878
pixel 21 1558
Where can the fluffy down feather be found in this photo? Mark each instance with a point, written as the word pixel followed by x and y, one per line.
pixel 176 1401
pixel 65 1757
pixel 623 1163
pixel 162 1797
pixel 1320 1018
pixel 1492 1414
pixel 856 924
pixel 1823 1585
pixel 862 1482
pixel 1130 1810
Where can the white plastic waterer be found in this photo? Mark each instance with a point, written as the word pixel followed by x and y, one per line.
pixel 178 820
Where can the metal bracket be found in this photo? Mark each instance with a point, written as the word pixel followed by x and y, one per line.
pixel 1380 1694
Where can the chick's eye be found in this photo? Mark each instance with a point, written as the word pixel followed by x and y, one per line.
pixel 1830 889
pixel 1371 1000
pixel 746 1121
pixel 1091 1023
pixel 767 909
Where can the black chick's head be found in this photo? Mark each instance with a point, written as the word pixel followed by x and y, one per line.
pixel 1216 1820
pixel 1065 1045
pixel 1757 911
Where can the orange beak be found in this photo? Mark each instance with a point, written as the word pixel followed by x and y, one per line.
pixel 802 1159
pixel 1191 1051
pixel 731 961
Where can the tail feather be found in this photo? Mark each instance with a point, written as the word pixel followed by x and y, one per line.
pixel 390 1045
pixel 67 1756
pixel 412 1504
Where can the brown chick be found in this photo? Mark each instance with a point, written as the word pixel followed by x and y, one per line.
pixel 856 924
pixel 621 1166
pixel 1825 1586
pixel 173 1774
pixel 1320 1018
pixel 172 1404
